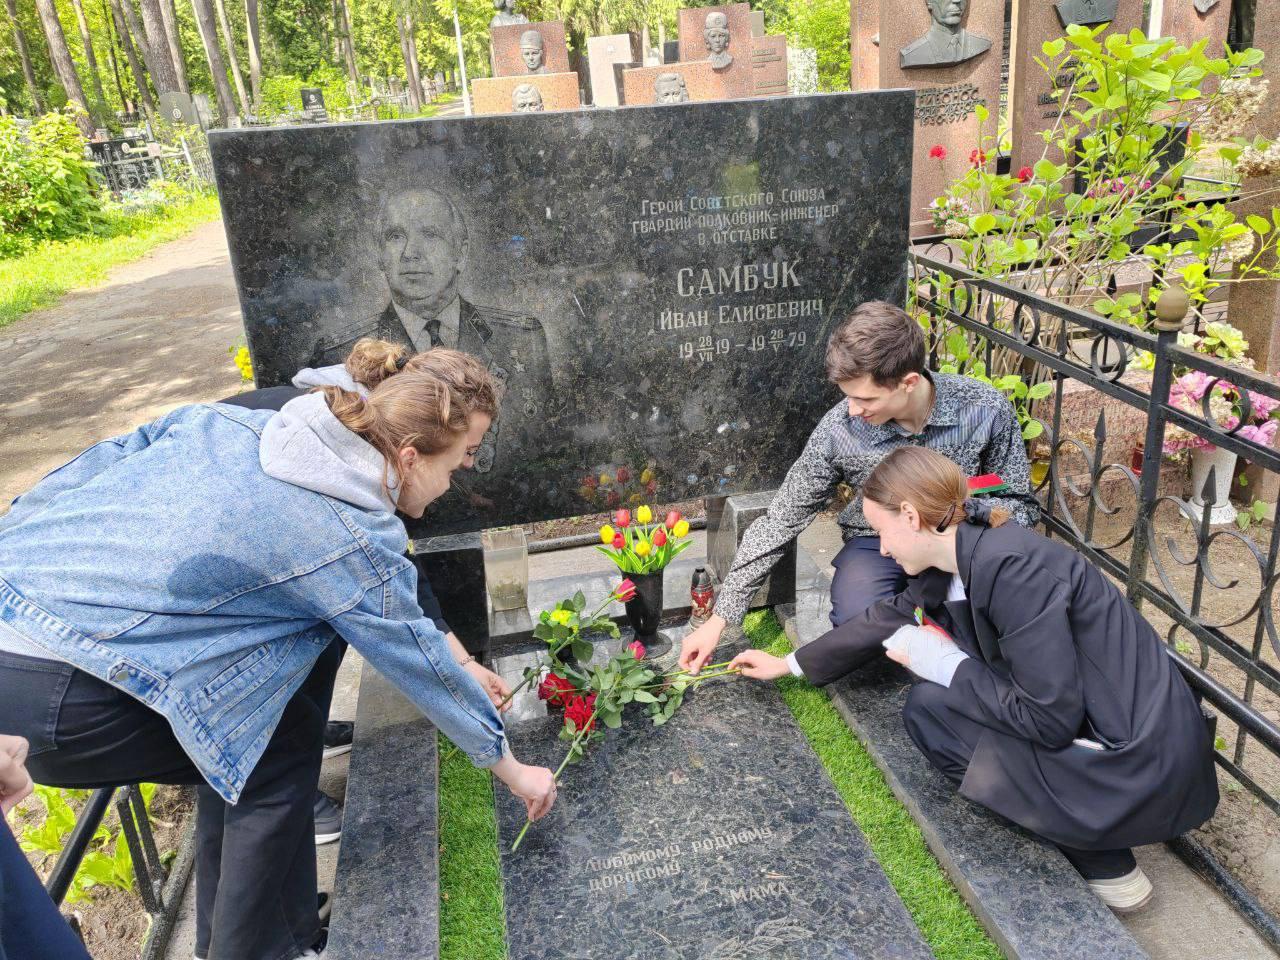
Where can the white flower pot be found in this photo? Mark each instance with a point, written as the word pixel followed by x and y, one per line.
pixel 1224 463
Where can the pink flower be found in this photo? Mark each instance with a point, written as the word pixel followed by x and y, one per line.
pixel 637 649
pixel 977 158
pixel 939 152
pixel 625 590
pixel 1025 174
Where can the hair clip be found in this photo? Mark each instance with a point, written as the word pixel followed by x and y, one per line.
pixel 401 361
pixel 946 519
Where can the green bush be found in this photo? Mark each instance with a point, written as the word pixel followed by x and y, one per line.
pixel 47 191
pixel 283 93
pixel 824 26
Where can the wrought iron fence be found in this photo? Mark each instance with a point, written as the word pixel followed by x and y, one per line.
pixel 1210 589
pixel 124 165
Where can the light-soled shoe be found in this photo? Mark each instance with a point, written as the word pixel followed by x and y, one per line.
pixel 1125 894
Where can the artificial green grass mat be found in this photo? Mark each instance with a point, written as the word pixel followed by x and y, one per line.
pixel 952 932
pixel 471 914
pixel 39 277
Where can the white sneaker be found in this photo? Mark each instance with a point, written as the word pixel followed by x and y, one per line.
pixel 1124 894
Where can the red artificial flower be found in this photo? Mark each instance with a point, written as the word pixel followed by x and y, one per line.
pixel 556 689
pixel 619 541
pixel 625 590
pixel 622 518
pixel 592 481
pixel 637 649
pixel 659 537
pixel 939 152
pixel 652 486
pixel 579 710
pixel 623 474
pixel 612 498
pixel 977 158
pixel 1025 174
pixel 673 517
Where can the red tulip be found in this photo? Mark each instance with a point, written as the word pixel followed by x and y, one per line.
pixel 939 152
pixel 637 649
pixel 625 591
pixel 623 474
pixel 622 519
pixel 619 541
pixel 673 517
pixel 659 537
pixel 1025 174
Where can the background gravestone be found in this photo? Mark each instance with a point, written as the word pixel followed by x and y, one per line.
pixel 505 40
pixel 559 91
pixel 637 301
pixel 736 78
pixel 1033 107
pixel 864 26
pixel 802 69
pixel 769 66
pixel 639 84
pixel 602 54
pixel 1183 20
pixel 946 96
pixel 179 108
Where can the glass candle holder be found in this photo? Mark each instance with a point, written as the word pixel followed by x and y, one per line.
pixel 506 567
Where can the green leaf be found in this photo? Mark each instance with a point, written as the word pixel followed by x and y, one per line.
pixel 983 223
pixel 1259 225
pixel 1032 429
pixel 1053 48
pixel 982 113
pixel 612 720
pixel 582 650
pixel 579 601
pixel 1040 390
pixel 644 696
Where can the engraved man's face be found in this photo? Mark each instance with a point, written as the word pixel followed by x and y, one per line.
pixel 419 251
pixel 716 33
pixel 526 99
pixel 671 89
pixel 949 13
pixel 531 49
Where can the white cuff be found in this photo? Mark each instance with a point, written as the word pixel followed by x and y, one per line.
pixel 794 664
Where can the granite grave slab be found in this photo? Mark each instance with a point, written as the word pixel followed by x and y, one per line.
pixel 551 91
pixel 602 54
pixel 690 841
pixel 705 248
pixel 513 51
pixel 769 66
pixel 722 36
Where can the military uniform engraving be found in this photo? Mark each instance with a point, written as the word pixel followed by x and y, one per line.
pixel 716 35
pixel 1088 12
pixel 947 42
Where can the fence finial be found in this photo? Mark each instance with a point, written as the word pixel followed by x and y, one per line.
pixel 1171 308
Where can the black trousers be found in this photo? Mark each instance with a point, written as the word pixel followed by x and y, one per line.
pixel 255 861
pixel 31 928
pixel 949 739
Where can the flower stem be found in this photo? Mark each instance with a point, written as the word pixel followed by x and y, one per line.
pixel 555 777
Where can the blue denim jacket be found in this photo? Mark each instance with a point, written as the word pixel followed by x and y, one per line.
pixel 172 565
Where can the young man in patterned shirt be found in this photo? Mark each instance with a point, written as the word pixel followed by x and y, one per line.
pixel 876 357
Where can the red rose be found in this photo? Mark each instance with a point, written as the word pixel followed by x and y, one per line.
pixel 623 474
pixel 592 481
pixel 939 152
pixel 637 649
pixel 1025 174
pixel 579 710
pixel 625 590
pixel 619 541
pixel 977 158
pixel 622 518
pixel 659 537
pixel 673 517
pixel 556 689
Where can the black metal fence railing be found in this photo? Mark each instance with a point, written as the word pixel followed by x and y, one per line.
pixel 122 167
pixel 1210 589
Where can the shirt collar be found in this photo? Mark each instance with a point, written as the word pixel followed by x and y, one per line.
pixel 945 412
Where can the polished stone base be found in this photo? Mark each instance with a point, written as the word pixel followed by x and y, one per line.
pixel 727 521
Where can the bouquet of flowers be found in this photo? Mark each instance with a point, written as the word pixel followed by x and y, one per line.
pixel 1226 406
pixel 645 546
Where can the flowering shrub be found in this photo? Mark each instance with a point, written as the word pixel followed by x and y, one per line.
pixel 644 547
pixel 1226 407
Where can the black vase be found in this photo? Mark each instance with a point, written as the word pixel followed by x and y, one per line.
pixel 644 610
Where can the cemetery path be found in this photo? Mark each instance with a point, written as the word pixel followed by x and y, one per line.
pixel 105 359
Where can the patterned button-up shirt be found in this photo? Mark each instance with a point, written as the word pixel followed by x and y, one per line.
pixel 971 423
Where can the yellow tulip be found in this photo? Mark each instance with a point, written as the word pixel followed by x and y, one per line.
pixel 635 498
pixel 644 514
pixel 561 616
pixel 606 479
pixel 642 548
pixel 681 528
pixel 606 534
pixel 646 475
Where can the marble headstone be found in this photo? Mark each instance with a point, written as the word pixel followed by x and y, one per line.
pixel 769 66
pixel 757 23
pixel 602 54
pixel 864 48
pixel 947 94
pixel 508 58
pixel 555 91
pixel 178 107
pixel 634 301
pixel 736 76
pixel 802 69
pixel 693 841
pixel 1033 101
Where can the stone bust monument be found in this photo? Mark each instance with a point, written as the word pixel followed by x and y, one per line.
pixel 506 14
pixel 1087 12
pixel 531 51
pixel 1204 6
pixel 716 35
pixel 526 99
pixel 670 88
pixel 947 42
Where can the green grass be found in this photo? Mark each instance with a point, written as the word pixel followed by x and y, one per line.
pixel 471 915
pixel 39 277
pixel 946 923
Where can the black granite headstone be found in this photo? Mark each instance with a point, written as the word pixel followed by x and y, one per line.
pixel 715 837
pixel 727 521
pixel 651 285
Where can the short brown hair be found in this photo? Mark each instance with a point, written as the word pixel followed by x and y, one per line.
pixel 877 340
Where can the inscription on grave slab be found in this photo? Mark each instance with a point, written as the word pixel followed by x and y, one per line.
pixel 769 66
pixel 715 837
pixel 644 283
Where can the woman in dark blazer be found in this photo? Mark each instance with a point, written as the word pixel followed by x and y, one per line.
pixel 1046 696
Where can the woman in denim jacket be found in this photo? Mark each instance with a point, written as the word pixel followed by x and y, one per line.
pixel 168 601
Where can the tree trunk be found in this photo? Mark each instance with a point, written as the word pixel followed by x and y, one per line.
pixel 229 39
pixel 415 103
pixel 139 38
pixel 348 43
pixel 90 59
pixel 412 27
pixel 131 54
pixel 113 62
pixel 217 67
pixel 255 52
pixel 169 16
pixel 163 71
pixel 20 41
pixel 63 65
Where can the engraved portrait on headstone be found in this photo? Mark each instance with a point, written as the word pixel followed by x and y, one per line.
pixel 716 35
pixel 946 42
pixel 670 88
pixel 422 245
pixel 531 51
pixel 1086 12
pixel 1204 6
pixel 526 99
pixel 506 14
